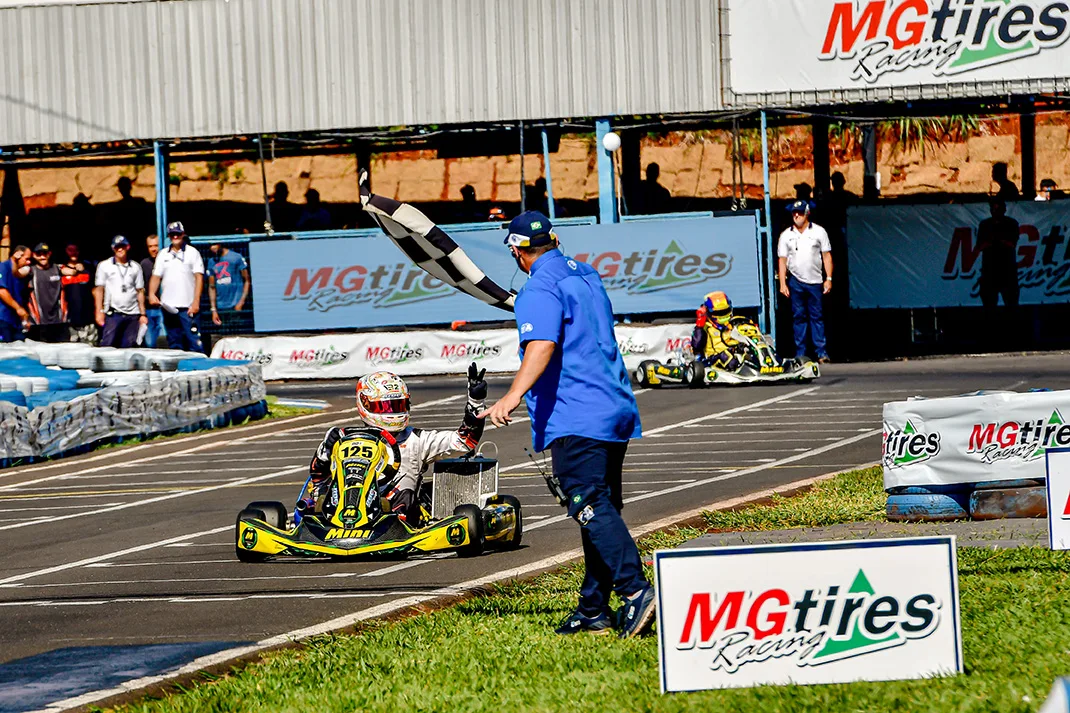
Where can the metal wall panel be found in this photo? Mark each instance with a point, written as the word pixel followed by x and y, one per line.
pixel 188 68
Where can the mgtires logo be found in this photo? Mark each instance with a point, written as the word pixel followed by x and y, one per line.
pixel 317 357
pixel 629 346
pixel 393 355
pixel 327 288
pixel 237 355
pixel 1019 440
pixel 653 271
pixel 903 447
pixel 816 627
pixel 470 351
pixel 949 36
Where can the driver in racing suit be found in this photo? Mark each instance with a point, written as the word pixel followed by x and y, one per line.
pixel 711 342
pixel 383 403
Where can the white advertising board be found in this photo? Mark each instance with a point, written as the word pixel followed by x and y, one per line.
pixel 1057 468
pixel 969 439
pixel 827 612
pixel 852 44
pixel 348 356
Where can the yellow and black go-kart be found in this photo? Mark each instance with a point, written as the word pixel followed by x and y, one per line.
pixel 760 364
pixel 350 520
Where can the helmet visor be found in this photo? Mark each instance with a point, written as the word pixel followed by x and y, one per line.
pixel 384 406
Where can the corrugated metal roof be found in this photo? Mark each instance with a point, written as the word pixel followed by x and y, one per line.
pixel 187 68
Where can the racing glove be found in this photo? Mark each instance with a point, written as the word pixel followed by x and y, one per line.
pixel 477 385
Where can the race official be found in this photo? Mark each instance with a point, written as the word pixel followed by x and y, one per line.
pixel 14 318
pixel 804 250
pixel 178 277
pixel 582 408
pixel 120 297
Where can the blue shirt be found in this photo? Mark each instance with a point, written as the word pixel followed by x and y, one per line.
pixel 11 282
pixel 228 279
pixel 585 389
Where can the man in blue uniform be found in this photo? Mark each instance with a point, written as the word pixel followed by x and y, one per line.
pixel 582 407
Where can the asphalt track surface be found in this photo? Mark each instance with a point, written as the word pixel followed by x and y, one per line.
pixel 135 547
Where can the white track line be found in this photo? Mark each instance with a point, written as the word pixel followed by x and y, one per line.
pixel 729 412
pixel 399 604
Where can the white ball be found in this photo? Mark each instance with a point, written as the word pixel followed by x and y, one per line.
pixel 611 142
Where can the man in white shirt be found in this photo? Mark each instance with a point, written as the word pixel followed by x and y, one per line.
pixel 804 249
pixel 119 294
pixel 178 277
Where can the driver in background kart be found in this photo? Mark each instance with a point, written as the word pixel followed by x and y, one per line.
pixel 383 403
pixel 711 341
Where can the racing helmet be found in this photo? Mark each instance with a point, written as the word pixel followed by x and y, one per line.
pixel 719 307
pixel 383 401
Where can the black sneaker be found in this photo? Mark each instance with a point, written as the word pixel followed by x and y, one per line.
pixel 578 622
pixel 637 614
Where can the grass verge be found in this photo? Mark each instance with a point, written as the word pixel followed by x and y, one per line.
pixel 498 652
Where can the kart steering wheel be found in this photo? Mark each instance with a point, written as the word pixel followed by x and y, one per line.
pixel 391 469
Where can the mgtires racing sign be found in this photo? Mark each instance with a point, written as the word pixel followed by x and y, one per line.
pixel 970 439
pixel 807 613
pixel 848 44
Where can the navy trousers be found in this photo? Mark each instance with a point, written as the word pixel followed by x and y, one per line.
pixel 182 331
pixel 807 317
pixel 590 474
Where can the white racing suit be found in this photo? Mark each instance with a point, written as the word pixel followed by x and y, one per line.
pixel 419 449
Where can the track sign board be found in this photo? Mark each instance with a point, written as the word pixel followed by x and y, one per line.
pixel 1057 467
pixel 829 612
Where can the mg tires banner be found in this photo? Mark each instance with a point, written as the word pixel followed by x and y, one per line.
pixel 927 256
pixel 647 266
pixel 972 439
pixel 825 612
pixel 852 44
pixel 348 356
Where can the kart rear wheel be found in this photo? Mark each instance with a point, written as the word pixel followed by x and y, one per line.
pixel 642 374
pixel 475 530
pixel 243 554
pixel 518 532
pixel 696 375
pixel 275 513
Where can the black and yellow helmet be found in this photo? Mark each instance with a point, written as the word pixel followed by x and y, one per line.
pixel 719 307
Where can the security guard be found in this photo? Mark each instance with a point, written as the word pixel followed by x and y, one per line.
pixel 582 407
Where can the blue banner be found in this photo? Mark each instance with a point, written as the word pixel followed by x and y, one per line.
pixel 647 266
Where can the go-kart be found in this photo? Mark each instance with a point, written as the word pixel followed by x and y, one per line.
pixel 760 364
pixel 351 519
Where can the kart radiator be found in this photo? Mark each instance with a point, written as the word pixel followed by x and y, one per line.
pixel 461 481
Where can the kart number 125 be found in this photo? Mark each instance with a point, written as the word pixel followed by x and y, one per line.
pixel 358 449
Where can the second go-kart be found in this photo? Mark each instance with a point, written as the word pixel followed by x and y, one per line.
pixel 349 518
pixel 758 364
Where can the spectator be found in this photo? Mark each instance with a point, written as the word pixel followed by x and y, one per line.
pixel 314 216
pixel 803 250
pixel 496 213
pixel 178 278
pixel 228 285
pixel 154 313
pixel 120 297
pixel 655 197
pixel 536 198
pixel 469 211
pixel 14 319
pixel 132 216
pixel 1007 190
pixel 1048 191
pixel 46 297
pixel 997 240
pixel 78 295
pixel 283 212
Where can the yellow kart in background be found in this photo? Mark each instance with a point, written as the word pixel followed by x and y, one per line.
pixel 350 519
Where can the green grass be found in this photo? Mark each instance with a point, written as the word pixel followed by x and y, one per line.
pixel 497 652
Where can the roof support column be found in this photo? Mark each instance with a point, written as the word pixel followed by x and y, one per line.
pixel 822 170
pixel 159 157
pixel 1028 134
pixel 549 177
pixel 870 189
pixel 768 313
pixel 607 181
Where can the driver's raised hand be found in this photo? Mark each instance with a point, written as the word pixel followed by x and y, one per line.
pixel 477 385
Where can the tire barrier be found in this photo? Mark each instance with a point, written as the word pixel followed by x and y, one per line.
pixel 1008 503
pixel 1002 484
pixel 67 421
pixel 927 507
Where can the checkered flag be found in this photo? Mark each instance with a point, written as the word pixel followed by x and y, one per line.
pixel 430 248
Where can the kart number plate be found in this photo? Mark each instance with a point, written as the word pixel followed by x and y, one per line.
pixel 357 449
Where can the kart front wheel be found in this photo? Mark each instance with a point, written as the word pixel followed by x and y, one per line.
pixel 696 375
pixel 518 530
pixel 275 514
pixel 476 540
pixel 243 554
pixel 642 374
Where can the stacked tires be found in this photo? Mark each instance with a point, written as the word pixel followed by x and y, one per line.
pixel 976 501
